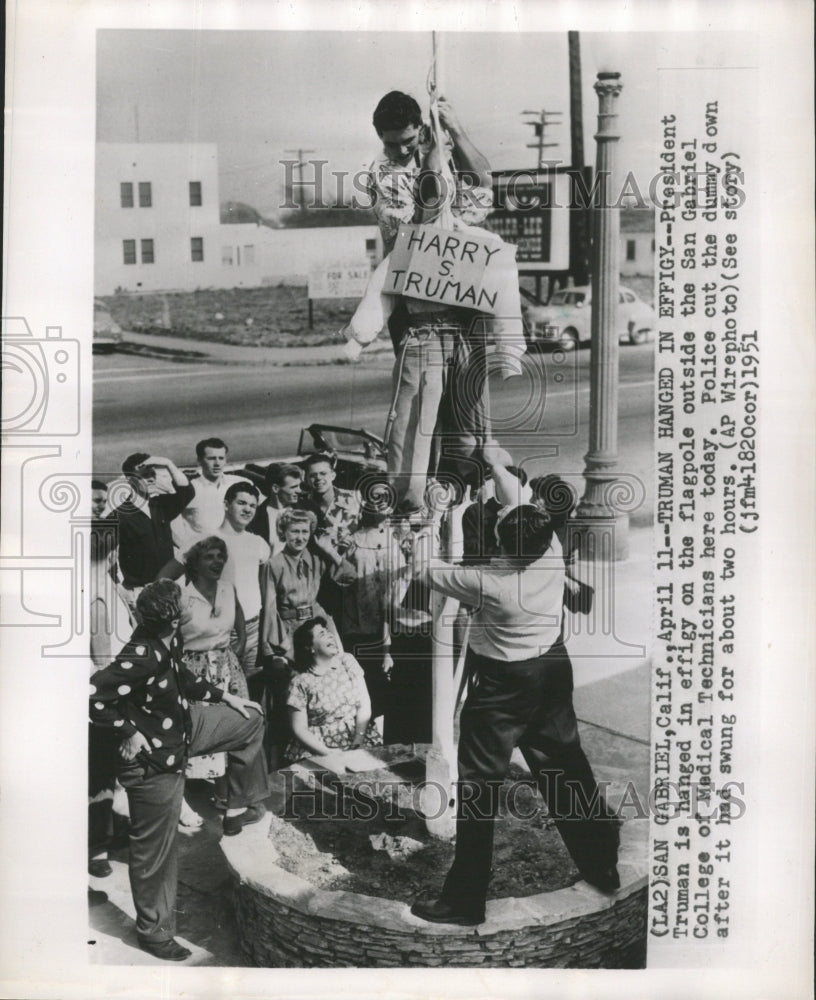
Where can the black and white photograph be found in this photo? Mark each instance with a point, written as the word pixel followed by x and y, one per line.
pixel 393 461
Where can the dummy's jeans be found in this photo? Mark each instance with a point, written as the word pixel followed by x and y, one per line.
pixel 439 382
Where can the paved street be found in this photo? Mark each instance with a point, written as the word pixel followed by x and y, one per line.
pixel 166 406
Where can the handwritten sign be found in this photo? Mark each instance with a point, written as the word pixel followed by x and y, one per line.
pixel 458 269
pixel 339 281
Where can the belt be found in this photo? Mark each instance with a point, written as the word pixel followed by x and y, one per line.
pixel 300 614
pixel 428 330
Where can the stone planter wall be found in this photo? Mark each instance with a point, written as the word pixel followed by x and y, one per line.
pixel 285 921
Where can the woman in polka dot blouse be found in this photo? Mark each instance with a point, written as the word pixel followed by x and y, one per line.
pixel 150 697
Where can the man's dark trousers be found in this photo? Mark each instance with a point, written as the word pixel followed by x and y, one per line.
pixel 155 805
pixel 527 704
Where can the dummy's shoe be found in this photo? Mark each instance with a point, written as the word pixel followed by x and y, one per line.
pixel 168 951
pixel 437 911
pixel 605 879
pixel 234 824
pixel 99 868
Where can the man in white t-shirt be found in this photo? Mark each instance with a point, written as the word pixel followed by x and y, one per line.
pixel 246 553
pixel 205 512
pixel 520 695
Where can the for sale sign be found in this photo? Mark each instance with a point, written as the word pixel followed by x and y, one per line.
pixel 339 281
pixel 455 268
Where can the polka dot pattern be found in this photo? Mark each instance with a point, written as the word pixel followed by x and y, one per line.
pixel 152 684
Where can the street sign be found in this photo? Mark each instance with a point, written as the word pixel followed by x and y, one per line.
pixel 339 281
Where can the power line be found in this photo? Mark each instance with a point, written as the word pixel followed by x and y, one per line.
pixel 539 124
pixel 299 165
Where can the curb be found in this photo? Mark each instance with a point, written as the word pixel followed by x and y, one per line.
pixel 181 356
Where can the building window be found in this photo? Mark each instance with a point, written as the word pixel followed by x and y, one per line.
pixel 653 246
pixel 195 193
pixel 226 256
pixel 126 194
pixel 371 246
pixel 147 252
pixel 145 198
pixel 129 251
pixel 630 249
pixel 249 255
pixel 197 248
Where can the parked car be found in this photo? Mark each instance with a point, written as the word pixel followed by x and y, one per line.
pixel 565 320
pixel 107 334
pixel 356 453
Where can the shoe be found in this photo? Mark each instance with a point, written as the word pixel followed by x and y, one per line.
pixel 604 879
pixel 99 868
pixel 437 911
pixel 189 818
pixel 234 824
pixel 168 951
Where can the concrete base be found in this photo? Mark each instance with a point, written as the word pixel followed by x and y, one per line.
pixel 286 922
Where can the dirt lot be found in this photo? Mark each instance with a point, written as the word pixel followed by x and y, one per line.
pixel 272 316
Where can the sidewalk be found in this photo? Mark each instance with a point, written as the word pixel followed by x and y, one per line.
pixel 612 698
pixel 186 349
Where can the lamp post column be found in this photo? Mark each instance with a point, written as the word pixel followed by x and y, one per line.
pixel 597 516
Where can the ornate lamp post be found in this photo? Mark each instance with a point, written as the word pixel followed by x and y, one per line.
pixel 602 529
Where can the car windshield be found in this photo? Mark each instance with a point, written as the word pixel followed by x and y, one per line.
pixel 337 439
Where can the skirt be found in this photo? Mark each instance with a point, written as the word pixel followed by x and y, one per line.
pixel 221 668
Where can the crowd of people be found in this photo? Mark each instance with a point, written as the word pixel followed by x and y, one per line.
pixel 307 614
pixel 301 624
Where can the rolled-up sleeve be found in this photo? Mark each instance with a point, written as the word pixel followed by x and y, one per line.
pixel 462 582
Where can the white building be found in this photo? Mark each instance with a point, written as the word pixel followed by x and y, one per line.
pixel 157 216
pixel 158 228
pixel 637 241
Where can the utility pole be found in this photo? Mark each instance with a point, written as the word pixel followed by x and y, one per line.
pixel 543 119
pixel 579 212
pixel 301 163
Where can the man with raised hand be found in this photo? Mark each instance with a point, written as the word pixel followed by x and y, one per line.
pixel 520 695
pixel 159 492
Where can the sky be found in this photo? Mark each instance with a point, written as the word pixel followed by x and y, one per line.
pixel 257 94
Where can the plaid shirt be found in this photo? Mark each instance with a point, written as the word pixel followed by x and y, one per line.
pixel 390 186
